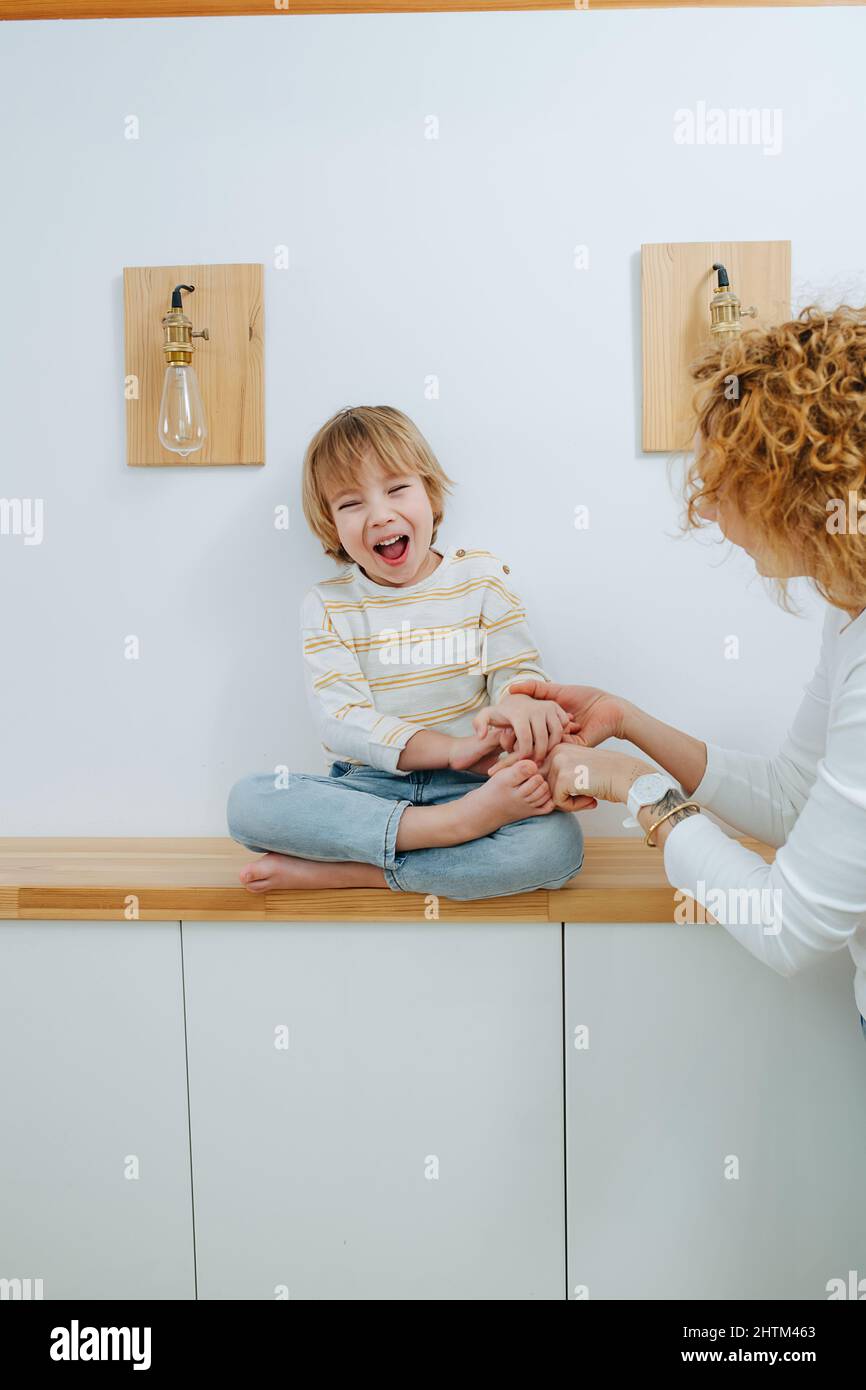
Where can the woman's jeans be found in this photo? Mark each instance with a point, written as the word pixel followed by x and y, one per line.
pixel 353 814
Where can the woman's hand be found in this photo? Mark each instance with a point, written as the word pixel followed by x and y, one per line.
pixel 579 776
pixel 574 771
pixel 595 715
pixel 533 726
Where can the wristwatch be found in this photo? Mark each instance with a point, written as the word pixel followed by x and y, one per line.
pixel 646 790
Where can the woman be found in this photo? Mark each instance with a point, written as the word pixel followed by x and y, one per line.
pixel 780 462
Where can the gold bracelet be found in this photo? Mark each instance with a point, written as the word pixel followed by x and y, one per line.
pixel 684 806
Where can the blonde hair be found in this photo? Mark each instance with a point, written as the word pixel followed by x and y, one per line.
pixel 337 452
pixel 781 424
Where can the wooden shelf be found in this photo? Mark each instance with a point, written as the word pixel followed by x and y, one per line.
pixel 195 879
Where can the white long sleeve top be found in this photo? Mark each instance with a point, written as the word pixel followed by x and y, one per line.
pixel 382 662
pixel 809 801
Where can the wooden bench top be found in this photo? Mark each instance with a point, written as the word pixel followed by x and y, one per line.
pixel 168 879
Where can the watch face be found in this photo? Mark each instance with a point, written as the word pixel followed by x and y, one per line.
pixel 650 788
pixel 648 784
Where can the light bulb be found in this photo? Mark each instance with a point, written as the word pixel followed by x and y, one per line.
pixel 182 424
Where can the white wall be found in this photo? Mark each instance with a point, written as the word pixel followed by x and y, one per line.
pixel 409 257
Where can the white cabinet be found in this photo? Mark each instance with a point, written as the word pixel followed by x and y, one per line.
pixel 379 1111
pixel 703 1064
pixel 94 1158
pixel 376 1109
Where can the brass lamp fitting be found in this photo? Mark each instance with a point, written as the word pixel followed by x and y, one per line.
pixel 725 310
pixel 178 346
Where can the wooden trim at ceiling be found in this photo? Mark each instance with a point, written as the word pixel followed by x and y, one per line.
pixel 164 9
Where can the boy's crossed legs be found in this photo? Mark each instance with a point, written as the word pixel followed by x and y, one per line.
pixel 301 819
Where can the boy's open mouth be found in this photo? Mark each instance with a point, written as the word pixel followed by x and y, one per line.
pixel 394 551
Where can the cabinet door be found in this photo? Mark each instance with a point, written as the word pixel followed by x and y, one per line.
pixel 376 1109
pixel 94 1162
pixel 716 1126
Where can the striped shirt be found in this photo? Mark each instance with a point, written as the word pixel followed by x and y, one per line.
pixel 380 662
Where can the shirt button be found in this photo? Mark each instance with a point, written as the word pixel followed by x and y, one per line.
pixel 460 552
pixel 506 569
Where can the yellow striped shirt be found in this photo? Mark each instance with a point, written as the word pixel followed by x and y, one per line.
pixel 380 662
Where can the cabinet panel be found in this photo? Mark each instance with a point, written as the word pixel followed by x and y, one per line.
pixel 94 1163
pixel 403 1137
pixel 700 1057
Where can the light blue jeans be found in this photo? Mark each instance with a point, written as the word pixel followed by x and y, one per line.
pixel 353 814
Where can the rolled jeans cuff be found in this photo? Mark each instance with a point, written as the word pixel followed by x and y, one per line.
pixel 390 864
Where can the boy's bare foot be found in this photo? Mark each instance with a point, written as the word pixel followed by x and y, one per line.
pixel 512 794
pixel 275 872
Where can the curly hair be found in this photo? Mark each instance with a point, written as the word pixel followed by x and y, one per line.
pixel 781 430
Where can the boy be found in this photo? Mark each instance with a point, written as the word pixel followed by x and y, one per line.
pixel 408 658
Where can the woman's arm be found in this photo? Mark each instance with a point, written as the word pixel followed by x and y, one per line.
pixel 812 898
pixel 757 795
pixel 684 757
